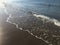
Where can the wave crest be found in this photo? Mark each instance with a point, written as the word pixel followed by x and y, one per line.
pixel 55 21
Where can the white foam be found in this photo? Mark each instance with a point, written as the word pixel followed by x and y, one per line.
pixel 56 22
pixel 42 16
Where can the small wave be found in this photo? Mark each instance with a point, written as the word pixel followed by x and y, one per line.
pixel 55 21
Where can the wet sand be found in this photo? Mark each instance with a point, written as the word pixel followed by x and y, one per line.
pixel 10 35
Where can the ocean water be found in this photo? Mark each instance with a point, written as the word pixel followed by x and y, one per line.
pixel 49 8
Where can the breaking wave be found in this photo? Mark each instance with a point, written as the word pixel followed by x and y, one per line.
pixel 55 21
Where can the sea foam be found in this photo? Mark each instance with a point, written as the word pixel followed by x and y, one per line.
pixel 55 21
